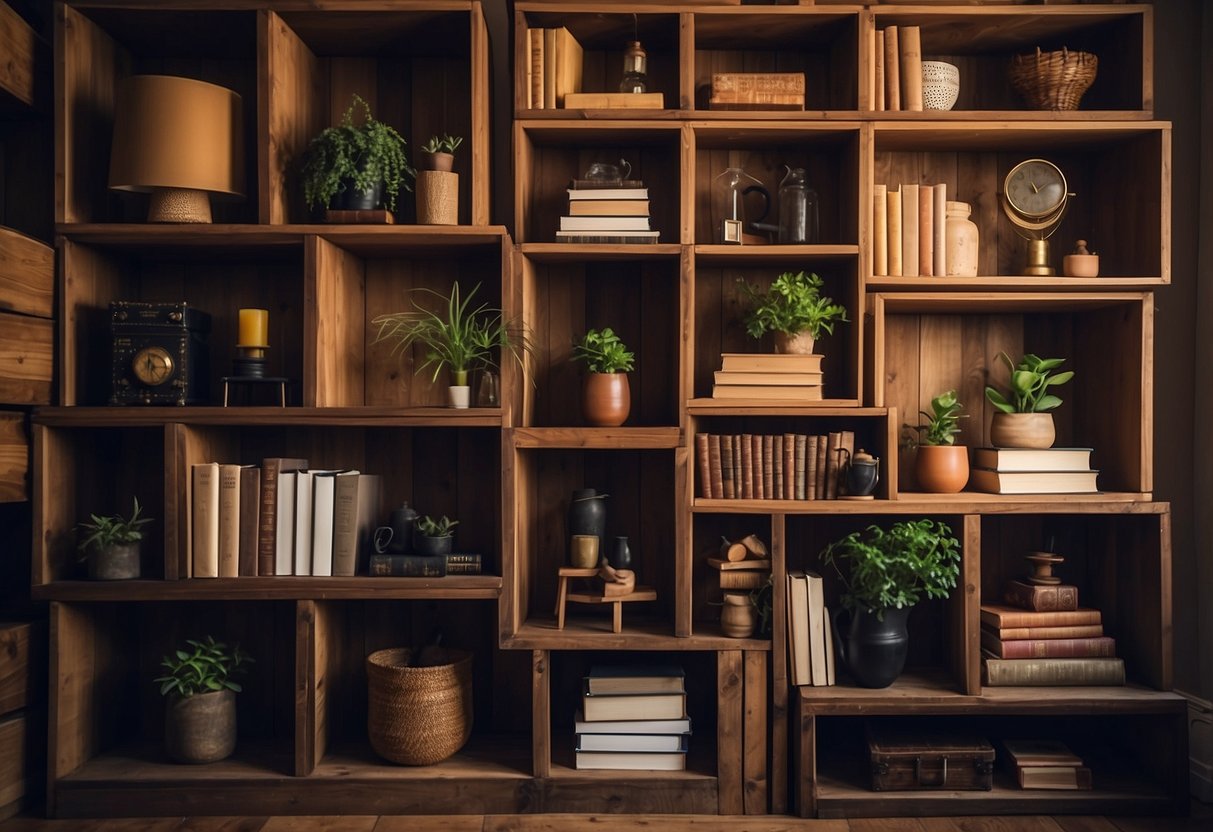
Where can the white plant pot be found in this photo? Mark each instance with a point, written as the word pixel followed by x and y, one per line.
pixel 459 396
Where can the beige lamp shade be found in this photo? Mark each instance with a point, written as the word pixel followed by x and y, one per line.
pixel 179 140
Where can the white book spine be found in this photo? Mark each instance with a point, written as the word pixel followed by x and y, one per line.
pixel 322 526
pixel 303 523
pixel 284 537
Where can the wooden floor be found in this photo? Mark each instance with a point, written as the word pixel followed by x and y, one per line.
pixel 1201 820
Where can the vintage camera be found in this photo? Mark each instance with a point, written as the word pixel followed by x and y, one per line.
pixel 160 353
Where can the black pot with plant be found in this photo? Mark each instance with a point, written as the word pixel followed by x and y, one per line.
pixel 889 571
pixel 434 537
pixel 112 545
pixel 356 167
pixel 200 717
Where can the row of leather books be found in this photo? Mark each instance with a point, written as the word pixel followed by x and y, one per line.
pixel 908 230
pixel 1041 636
pixel 789 466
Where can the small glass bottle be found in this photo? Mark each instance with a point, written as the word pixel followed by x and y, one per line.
pixel 797 208
pixel 635 69
pixel 488 393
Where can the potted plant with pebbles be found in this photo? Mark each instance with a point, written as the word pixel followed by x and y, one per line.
pixel 356 167
pixel 200 719
pixel 461 339
pixel 113 545
pixel 437 184
pixel 942 466
pixel 889 572
pixel 434 537
pixel 1024 419
pixel 606 397
pixel 792 308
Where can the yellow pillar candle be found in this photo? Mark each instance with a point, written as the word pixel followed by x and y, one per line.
pixel 254 328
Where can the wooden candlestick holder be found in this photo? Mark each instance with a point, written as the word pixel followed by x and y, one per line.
pixel 1042 564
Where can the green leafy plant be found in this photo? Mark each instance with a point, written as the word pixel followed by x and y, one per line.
pixel 603 352
pixel 442 527
pixel 113 530
pixel 206 666
pixel 443 144
pixel 792 304
pixel 461 339
pixel 357 157
pixel 943 421
pixel 895 568
pixel 1030 381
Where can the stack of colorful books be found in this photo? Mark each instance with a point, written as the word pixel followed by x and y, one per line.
pixel 607 212
pixel 1046 764
pixel 768 376
pixel 633 718
pixel 1041 636
pixel 1033 471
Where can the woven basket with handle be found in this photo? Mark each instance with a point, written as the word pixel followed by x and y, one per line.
pixel 418 716
pixel 1053 80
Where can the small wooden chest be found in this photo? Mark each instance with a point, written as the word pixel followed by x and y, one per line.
pixel 923 761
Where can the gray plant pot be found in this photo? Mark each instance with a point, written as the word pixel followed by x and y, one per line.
pixel 200 728
pixel 115 563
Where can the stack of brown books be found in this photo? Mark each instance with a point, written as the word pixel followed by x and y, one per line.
pixel 607 212
pixel 1040 636
pixel 1033 471
pixel 1046 764
pixel 789 466
pixel 780 376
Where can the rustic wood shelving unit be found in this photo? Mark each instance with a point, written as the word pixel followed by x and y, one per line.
pixel 760 746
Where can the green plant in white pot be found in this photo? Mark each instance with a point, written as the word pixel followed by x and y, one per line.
pixel 1024 418
pixel 201 686
pixel 112 545
pixel 459 337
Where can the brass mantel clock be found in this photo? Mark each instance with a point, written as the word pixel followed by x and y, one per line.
pixel 1034 197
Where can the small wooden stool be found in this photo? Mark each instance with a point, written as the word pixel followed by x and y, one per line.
pixel 563 596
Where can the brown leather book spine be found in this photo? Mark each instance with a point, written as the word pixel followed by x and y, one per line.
pixel 738 476
pixel 833 442
pixel 878 99
pixel 789 466
pixel 727 475
pixel 777 453
pixel 747 466
pixel 1041 598
pixel 802 467
pixel 250 519
pixel 768 467
pixel 704 464
pixel 714 470
pixel 760 492
pixel 892 69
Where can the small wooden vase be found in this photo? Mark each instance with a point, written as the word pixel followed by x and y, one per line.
pixel 942 469
pixel 606 399
pixel 738 616
pixel 1022 430
pixel 437 197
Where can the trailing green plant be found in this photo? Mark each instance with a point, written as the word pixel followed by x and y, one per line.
pixel 603 352
pixel 205 667
pixel 112 530
pixel 443 527
pixel 461 339
pixel 443 144
pixel 792 304
pixel 895 568
pixel 1030 381
pixel 357 157
pixel 943 421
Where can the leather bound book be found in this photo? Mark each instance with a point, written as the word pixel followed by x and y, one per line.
pixel 1041 598
pixel 703 459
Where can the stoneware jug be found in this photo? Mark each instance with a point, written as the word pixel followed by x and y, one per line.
pixel 861 472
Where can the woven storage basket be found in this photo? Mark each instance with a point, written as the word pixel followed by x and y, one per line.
pixel 1053 80
pixel 418 716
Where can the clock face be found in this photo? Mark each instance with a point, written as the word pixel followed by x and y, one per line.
pixel 1035 188
pixel 152 365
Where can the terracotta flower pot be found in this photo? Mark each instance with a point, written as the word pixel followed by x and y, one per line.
pixel 796 343
pixel 1022 430
pixel 436 161
pixel 200 728
pixel 606 399
pixel 942 469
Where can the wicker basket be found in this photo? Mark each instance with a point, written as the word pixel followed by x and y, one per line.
pixel 418 716
pixel 1053 80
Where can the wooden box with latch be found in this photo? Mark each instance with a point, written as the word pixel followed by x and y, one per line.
pixel 906 760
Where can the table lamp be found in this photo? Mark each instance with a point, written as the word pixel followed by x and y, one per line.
pixel 179 140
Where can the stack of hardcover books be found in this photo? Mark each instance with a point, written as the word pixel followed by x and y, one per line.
pixel 1033 471
pixel 633 718
pixel 1040 636
pixel 607 212
pixel 1046 764
pixel 768 376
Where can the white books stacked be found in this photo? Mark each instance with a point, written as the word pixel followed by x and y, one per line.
pixel 607 213
pixel 1033 471
pixel 633 718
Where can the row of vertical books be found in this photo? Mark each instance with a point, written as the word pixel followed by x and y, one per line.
pixel 1041 636
pixel 633 718
pixel 810 632
pixel 898 56
pixel 790 466
pixel 554 67
pixel 908 230
pixel 281 518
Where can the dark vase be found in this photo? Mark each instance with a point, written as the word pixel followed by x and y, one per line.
pixel 352 199
pixel 620 555
pixel 587 515
pixel 431 546
pixel 402 520
pixel 873 649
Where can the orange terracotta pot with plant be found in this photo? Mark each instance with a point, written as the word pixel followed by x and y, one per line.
pixel 606 398
pixel 942 466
